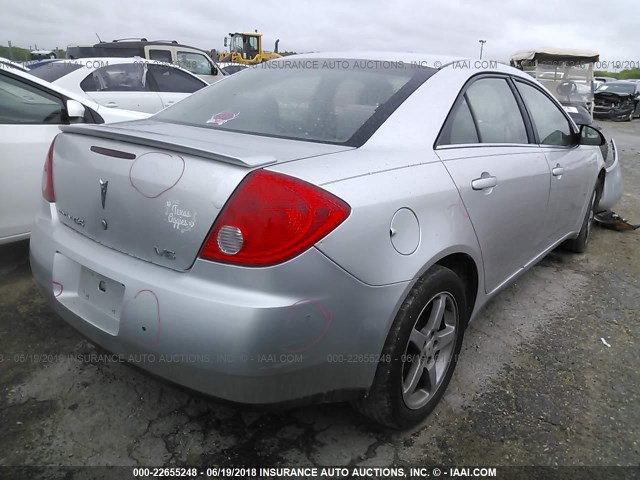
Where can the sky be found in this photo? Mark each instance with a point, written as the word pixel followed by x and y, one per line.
pixel 450 27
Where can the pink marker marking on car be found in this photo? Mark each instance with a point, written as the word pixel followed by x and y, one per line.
pixel 222 118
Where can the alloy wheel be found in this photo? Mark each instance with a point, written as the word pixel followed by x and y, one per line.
pixel 429 350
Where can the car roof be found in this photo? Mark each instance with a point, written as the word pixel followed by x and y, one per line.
pixel 436 61
pixel 99 62
pixel 408 57
pixel 143 43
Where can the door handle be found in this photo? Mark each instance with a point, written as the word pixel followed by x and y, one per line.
pixel 557 171
pixel 484 182
pixel 111 105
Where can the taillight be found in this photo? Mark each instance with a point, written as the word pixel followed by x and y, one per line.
pixel 47 176
pixel 270 218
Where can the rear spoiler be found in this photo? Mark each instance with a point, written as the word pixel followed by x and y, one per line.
pixel 196 148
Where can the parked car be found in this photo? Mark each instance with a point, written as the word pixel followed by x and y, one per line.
pixel 618 100
pixel 314 234
pixel 129 83
pixel 31 112
pixel 192 59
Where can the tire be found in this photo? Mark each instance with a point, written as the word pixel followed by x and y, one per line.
pixel 630 117
pixel 579 244
pixel 394 400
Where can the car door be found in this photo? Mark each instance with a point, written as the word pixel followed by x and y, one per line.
pixel 503 180
pixel 122 85
pixel 29 120
pixel 172 84
pixel 571 165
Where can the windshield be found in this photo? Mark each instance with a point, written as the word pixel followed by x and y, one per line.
pixel 52 71
pixel 304 99
pixel 617 88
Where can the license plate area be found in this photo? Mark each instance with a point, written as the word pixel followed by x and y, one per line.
pixel 93 297
pixel 101 292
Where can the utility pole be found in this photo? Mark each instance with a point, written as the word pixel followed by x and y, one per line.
pixel 10 51
pixel 482 42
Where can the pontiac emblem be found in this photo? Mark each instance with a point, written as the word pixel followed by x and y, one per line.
pixel 104 184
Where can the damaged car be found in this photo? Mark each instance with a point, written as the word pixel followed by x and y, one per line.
pixel 617 101
pixel 294 235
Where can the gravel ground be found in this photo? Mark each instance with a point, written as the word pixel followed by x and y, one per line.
pixel 536 385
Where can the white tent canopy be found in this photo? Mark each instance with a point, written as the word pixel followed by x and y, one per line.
pixel 557 54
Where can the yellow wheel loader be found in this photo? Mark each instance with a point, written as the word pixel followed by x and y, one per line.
pixel 246 48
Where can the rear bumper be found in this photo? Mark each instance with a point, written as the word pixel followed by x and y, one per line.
pixel 302 329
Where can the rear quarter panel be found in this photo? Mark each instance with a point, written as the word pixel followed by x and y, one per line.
pixel 362 245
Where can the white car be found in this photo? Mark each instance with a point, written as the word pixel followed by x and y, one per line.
pixel 31 112
pixel 130 83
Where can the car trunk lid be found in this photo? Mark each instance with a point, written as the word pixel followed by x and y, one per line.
pixel 154 196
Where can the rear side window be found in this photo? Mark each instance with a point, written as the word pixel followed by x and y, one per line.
pixel 119 77
pixel 52 71
pixel 169 79
pixel 552 126
pixel 160 55
pixel 460 127
pixel 496 112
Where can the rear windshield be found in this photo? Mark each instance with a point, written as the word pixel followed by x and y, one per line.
pixel 328 101
pixel 52 71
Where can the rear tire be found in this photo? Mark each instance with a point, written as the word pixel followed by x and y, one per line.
pixel 579 244
pixel 420 353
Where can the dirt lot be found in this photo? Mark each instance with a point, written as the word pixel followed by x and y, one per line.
pixel 536 385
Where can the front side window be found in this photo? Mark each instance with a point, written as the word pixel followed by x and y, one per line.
pixel 496 112
pixel 552 126
pixel 310 100
pixel 194 63
pixel 119 77
pixel 21 103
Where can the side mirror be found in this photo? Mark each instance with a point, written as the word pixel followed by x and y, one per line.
pixel 591 136
pixel 226 42
pixel 75 109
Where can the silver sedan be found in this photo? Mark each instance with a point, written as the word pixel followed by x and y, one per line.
pixel 318 228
